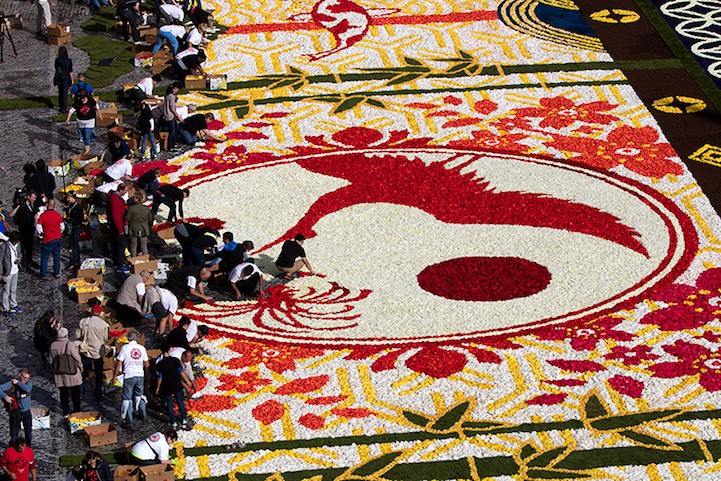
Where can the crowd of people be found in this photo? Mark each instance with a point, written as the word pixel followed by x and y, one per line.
pixel 44 227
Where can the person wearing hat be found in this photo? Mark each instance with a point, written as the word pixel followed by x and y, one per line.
pixel 93 334
pixel 68 384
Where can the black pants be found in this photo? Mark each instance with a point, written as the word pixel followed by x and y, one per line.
pixel 120 243
pixel 62 99
pixel 27 238
pixel 97 367
pixel 65 394
pixel 128 17
pixel 26 418
pixel 247 286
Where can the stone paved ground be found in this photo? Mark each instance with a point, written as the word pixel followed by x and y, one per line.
pixel 25 136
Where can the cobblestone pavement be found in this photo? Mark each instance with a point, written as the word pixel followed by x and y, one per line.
pixel 25 136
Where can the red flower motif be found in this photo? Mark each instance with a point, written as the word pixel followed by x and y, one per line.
pixel 490 141
pixel 559 112
pixel 211 403
pixel 305 385
pixel 585 337
pixel 635 148
pixel 246 382
pixel 631 356
pixel 694 359
pixel 268 412
pixel 276 358
pixel 689 308
pixel 437 362
pixel 312 421
pixel 452 100
pixel 627 385
pixel 485 106
pixel 547 399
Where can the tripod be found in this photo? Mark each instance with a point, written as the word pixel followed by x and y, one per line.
pixel 5 33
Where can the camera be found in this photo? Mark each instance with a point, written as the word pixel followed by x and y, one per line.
pixel 19 196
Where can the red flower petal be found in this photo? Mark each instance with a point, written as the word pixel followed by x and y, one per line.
pixel 547 399
pixel 211 403
pixel 669 370
pixel 358 137
pixel 463 122
pixel 483 355
pixel 247 135
pixel 257 125
pixel 275 115
pixel 452 100
pixel 444 113
pixel 326 400
pixel 420 105
pixel 387 361
pixel 268 412
pixel 565 382
pixel 485 106
pixel 710 381
pixel 352 412
pixel 312 421
pixel 437 362
pixel 303 385
pixel 627 385
pixel 577 366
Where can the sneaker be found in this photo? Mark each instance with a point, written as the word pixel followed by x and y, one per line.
pixel 184 424
pixel 8 313
pixel 174 425
pixel 124 270
pixel 17 310
pixel 57 276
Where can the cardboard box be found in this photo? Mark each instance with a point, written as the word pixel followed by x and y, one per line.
pixel 95 274
pixel 101 434
pixel 93 263
pixel 108 377
pixel 14 20
pixel 81 420
pixel 58 29
pixel 153 353
pixel 109 118
pixel 195 82
pixel 81 160
pixel 143 59
pixel 144 262
pixel 218 82
pixel 157 472
pixel 167 233
pixel 83 294
pixel 59 167
pixel 93 166
pixel 164 68
pixel 126 472
pixel 109 359
pixel 41 418
pixel 61 40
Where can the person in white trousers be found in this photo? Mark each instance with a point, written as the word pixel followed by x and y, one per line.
pixel 44 18
pixel 10 280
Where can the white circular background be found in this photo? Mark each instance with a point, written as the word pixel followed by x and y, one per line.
pixel 383 247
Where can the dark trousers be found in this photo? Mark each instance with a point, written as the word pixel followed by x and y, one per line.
pixel 74 240
pixel 65 394
pixel 247 286
pixel 97 367
pixel 158 199
pixel 196 258
pixel 127 315
pixel 186 244
pixel 180 401
pixel 62 99
pixel 26 418
pixel 120 243
pixel 128 17
pixel 27 238
pixel 172 126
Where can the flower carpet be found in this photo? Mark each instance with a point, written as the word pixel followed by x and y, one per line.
pixel 521 273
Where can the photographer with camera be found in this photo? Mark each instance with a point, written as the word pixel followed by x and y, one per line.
pixel 23 214
pixel 16 398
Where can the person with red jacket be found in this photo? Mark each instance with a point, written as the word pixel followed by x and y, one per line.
pixel 50 227
pixel 18 462
pixel 116 218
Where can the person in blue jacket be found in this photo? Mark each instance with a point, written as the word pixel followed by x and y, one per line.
pixel 16 396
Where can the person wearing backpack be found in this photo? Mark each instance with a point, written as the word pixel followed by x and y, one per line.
pixel 63 78
pixel 67 370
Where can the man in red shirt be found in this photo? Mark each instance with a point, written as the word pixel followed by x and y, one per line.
pixel 116 218
pixel 50 228
pixel 18 462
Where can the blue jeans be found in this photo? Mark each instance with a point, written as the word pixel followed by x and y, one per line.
pixel 180 401
pixel 143 139
pixel 26 418
pixel 97 367
pixel 172 126
pixel 172 41
pixel 86 135
pixel 132 393
pixel 187 137
pixel 98 3
pixel 52 247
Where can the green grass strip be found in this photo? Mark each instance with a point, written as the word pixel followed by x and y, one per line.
pixel 102 21
pixel 102 47
pixel 694 69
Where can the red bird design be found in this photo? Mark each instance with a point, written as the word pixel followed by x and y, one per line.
pixel 346 20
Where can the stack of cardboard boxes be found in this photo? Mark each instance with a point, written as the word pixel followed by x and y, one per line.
pixel 59 34
pixel 162 62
